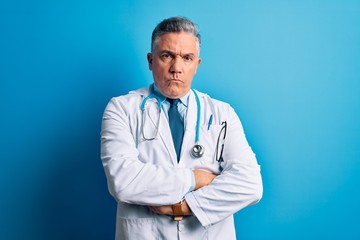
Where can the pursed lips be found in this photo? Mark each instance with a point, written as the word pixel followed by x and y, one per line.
pixel 174 80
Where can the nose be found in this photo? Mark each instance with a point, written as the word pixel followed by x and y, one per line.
pixel 176 65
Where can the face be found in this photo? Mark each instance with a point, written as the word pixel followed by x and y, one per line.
pixel 173 62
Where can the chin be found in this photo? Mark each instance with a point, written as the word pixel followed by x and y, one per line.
pixel 173 95
pixel 172 90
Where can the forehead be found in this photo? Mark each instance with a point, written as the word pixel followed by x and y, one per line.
pixel 179 41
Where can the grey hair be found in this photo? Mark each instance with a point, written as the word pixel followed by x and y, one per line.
pixel 173 25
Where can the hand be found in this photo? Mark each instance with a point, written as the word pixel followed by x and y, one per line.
pixel 163 210
pixel 202 178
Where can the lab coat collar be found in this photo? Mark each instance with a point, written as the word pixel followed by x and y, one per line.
pixel 184 100
pixel 164 130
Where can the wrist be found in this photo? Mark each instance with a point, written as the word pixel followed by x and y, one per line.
pixel 185 208
pixel 178 211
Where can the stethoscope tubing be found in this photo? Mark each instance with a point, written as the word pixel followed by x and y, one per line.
pixel 198 150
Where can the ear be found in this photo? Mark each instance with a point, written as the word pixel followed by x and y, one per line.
pixel 198 64
pixel 199 61
pixel 150 59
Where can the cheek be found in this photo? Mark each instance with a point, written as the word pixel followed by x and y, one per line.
pixel 159 71
pixel 159 65
pixel 156 71
pixel 191 73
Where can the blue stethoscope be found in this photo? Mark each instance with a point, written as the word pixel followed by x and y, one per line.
pixel 197 150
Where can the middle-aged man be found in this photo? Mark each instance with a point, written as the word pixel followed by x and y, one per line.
pixel 177 161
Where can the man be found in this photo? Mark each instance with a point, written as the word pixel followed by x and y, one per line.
pixel 177 161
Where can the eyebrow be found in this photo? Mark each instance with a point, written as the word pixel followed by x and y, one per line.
pixel 173 53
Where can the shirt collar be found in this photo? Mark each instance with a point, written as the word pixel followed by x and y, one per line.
pixel 184 100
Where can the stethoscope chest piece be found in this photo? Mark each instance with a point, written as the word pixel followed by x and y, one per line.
pixel 197 151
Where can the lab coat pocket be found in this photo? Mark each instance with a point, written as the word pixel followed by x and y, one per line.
pixel 136 228
pixel 209 139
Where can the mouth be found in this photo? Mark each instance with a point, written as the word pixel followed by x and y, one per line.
pixel 174 80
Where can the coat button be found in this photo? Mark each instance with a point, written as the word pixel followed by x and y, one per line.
pixel 181 227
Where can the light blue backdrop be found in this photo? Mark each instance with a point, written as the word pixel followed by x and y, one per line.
pixel 291 69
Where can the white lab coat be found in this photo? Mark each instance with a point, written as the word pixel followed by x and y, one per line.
pixel 146 173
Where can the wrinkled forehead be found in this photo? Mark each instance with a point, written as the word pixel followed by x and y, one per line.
pixel 177 41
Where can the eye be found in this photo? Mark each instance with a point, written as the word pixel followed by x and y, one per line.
pixel 188 58
pixel 166 57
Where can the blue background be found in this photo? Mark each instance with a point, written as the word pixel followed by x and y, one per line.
pixel 289 68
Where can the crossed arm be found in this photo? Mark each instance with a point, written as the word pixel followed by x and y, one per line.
pixel 202 179
pixel 238 186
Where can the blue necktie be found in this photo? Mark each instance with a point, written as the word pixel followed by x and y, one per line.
pixel 176 125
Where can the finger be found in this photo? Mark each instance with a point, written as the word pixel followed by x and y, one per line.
pixel 154 209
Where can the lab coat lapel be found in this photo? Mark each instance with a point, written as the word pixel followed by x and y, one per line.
pixel 164 130
pixel 190 126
